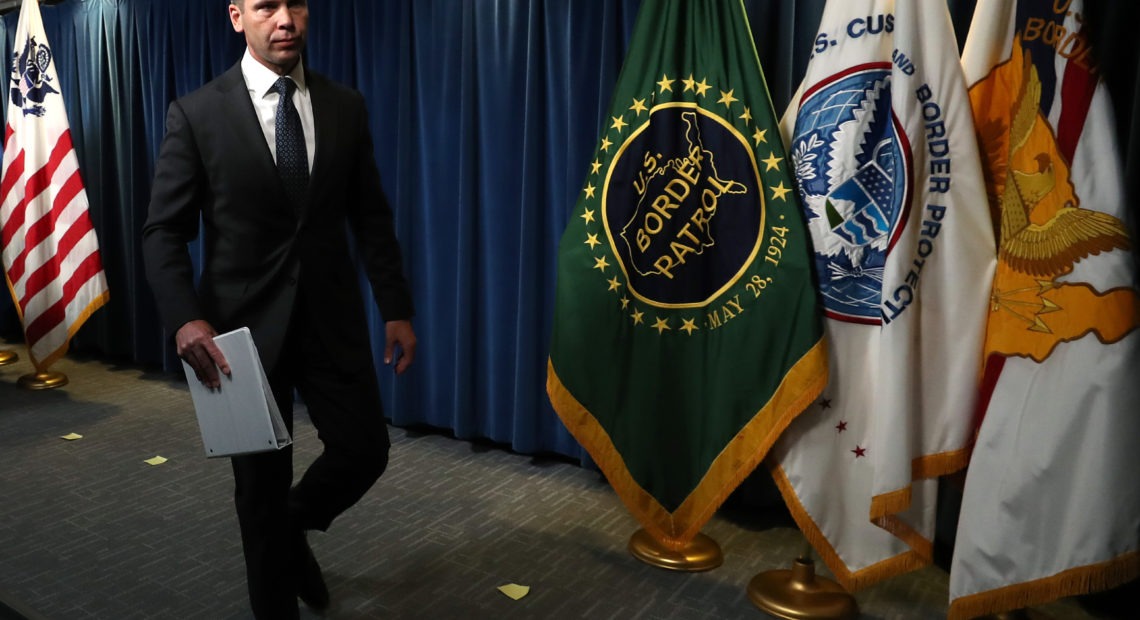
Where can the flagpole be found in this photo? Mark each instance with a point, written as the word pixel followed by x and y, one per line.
pixel 801 594
pixel 700 554
pixel 8 357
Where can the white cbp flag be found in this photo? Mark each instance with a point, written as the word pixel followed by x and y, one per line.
pixel 886 164
pixel 50 252
pixel 1051 506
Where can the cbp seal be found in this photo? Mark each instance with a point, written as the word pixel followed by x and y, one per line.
pixel 855 205
pixel 31 83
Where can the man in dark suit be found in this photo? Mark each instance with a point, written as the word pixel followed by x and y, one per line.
pixel 277 162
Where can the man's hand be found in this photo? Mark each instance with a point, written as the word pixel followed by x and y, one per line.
pixel 195 341
pixel 400 344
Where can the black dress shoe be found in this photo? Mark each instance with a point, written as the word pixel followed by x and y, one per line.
pixel 311 586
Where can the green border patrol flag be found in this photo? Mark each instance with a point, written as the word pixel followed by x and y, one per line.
pixel 686 331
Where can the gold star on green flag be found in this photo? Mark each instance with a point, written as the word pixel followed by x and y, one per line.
pixel 686 332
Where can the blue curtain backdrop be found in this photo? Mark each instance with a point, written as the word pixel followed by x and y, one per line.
pixel 485 115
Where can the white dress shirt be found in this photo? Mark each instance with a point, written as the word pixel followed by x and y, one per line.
pixel 259 81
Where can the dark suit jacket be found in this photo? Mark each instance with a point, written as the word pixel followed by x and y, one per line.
pixel 259 250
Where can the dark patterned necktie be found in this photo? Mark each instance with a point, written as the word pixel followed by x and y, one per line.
pixel 292 160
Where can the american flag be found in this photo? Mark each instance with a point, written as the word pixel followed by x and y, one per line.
pixel 50 251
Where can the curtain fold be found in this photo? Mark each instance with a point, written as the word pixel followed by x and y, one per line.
pixel 484 113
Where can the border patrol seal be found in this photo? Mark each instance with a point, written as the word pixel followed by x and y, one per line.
pixel 681 206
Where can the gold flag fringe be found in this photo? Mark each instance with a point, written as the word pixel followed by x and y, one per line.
pixel 917 557
pixel 802 384
pixel 51 358
pixel 1079 580
pixel 884 505
pixel 884 512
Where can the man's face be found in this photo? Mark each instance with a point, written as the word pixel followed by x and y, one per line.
pixel 275 30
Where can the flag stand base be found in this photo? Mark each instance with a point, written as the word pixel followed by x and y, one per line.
pixel 798 593
pixel 8 357
pixel 701 554
pixel 42 380
pixel 1013 614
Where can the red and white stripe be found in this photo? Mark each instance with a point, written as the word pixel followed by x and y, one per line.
pixel 49 247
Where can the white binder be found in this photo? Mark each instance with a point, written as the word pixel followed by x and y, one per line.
pixel 241 417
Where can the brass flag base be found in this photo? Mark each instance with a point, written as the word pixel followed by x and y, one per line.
pixel 8 357
pixel 42 381
pixel 798 594
pixel 701 554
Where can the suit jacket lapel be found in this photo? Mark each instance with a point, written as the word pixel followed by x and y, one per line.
pixel 243 125
pixel 245 129
pixel 326 127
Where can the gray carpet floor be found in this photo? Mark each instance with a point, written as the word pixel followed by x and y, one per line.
pixel 89 530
